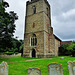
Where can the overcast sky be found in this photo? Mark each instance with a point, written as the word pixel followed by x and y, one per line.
pixel 62 15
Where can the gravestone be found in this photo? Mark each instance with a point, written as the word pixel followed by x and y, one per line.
pixel 34 71
pixel 55 69
pixel 71 67
pixel 3 68
pixel 61 57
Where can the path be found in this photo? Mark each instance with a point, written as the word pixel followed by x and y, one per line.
pixel 30 60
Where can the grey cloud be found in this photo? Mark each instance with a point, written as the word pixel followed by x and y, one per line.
pixel 62 14
pixel 19 8
pixel 63 18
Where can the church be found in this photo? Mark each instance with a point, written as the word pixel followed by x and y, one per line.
pixel 39 40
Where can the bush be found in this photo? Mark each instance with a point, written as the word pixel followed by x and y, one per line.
pixel 63 50
pixel 1 50
pixel 67 49
pixel 16 52
pixel 9 53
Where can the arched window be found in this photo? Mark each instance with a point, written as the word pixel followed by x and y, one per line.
pixel 34 9
pixel 33 40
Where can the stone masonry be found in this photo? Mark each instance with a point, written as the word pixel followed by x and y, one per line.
pixel 40 25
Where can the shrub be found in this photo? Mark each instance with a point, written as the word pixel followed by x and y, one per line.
pixel 9 53
pixel 16 52
pixel 67 49
pixel 63 49
pixel 1 50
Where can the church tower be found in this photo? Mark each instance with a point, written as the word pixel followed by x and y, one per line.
pixel 38 37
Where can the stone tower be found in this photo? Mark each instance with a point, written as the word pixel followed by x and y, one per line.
pixel 38 37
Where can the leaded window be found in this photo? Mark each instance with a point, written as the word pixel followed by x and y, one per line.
pixel 33 40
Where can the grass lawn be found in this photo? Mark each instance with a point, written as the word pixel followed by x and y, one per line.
pixel 19 65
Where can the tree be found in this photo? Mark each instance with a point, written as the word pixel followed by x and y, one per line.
pixel 71 49
pixel 63 49
pixel 67 49
pixel 7 26
pixel 21 47
pixel 73 42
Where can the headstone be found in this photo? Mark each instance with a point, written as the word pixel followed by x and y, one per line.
pixel 3 68
pixel 34 71
pixel 71 67
pixel 55 69
pixel 61 57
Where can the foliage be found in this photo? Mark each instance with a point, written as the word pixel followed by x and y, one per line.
pixel 9 53
pixel 73 42
pixel 8 45
pixel 17 47
pixel 63 48
pixel 67 49
pixel 71 48
pixel 7 26
pixel 17 44
pixel 21 47
pixel 5 4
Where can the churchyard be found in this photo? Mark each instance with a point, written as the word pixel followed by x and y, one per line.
pixel 20 65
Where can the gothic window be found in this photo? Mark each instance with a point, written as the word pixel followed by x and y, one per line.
pixel 34 9
pixel 33 40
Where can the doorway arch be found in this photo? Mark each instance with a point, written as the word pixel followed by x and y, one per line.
pixel 33 53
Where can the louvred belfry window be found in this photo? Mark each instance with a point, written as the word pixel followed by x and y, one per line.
pixel 47 12
pixel 34 9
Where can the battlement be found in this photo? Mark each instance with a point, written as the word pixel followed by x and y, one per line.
pixel 33 1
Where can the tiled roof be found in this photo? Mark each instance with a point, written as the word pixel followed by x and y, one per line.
pixel 56 37
pixel 66 42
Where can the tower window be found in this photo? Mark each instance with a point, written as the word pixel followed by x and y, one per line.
pixel 33 40
pixel 33 25
pixel 34 9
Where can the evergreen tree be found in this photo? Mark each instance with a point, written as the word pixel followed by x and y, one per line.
pixel 7 26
